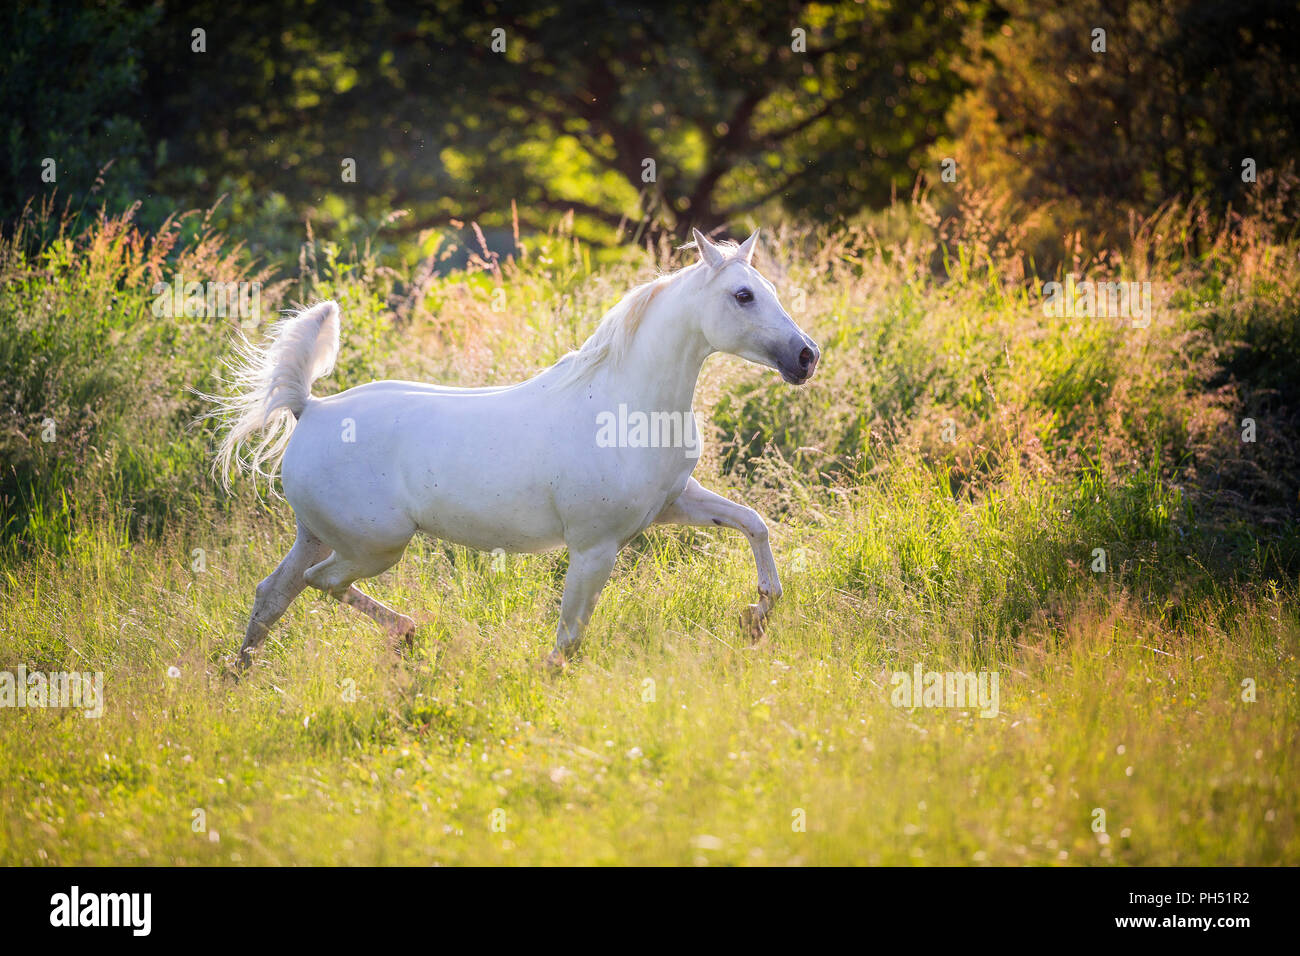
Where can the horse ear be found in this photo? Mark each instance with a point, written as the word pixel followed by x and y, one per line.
pixel 746 250
pixel 710 253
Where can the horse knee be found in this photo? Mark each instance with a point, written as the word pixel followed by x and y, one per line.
pixel 755 527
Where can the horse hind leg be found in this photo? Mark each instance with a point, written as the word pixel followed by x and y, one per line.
pixel 336 575
pixel 399 627
pixel 277 591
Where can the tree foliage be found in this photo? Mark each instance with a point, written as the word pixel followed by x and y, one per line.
pixel 635 118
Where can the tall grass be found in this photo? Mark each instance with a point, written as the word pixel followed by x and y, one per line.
pixel 938 494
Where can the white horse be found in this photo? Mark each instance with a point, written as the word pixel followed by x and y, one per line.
pixel 521 468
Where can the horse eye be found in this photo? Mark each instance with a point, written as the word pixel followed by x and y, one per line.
pixel 744 296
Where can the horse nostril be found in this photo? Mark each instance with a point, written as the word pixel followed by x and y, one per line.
pixel 806 358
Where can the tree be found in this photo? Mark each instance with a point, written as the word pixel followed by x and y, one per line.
pixel 688 114
pixel 1181 94
pixel 69 81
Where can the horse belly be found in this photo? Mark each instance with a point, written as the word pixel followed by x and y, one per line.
pixel 484 486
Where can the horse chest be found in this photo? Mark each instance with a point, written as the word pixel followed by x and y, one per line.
pixel 628 492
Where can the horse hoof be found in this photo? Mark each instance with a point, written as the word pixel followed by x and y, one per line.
pixel 753 621
pixel 402 637
pixel 234 666
pixel 555 662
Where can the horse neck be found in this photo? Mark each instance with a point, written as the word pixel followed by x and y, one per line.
pixel 663 360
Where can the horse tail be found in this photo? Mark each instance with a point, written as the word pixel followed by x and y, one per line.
pixel 270 387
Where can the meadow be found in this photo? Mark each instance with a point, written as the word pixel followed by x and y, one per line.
pixel 968 484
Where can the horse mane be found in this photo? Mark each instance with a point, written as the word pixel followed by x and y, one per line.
pixel 610 341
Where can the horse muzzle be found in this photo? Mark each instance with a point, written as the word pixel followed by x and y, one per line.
pixel 799 360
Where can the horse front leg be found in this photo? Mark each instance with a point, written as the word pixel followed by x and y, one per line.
pixel 589 569
pixel 699 507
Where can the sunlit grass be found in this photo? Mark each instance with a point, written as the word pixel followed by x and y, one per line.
pixel 938 495
pixel 671 741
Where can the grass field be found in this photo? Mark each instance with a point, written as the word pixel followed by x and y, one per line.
pixel 937 496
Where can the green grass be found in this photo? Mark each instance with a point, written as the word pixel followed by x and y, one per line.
pixel 1107 707
pixel 672 740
